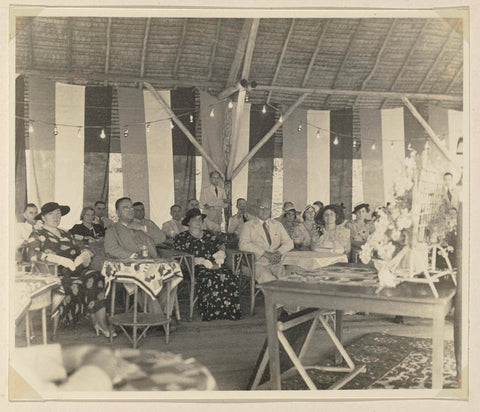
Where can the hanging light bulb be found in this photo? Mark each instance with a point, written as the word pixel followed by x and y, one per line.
pixel 280 119
pixel 79 133
pixel 374 147
pixel 55 130
pixel 191 118
pixel 125 132
pixel 30 127
pixel 171 125
pixel 409 147
pixel 427 145
pixel 264 109
pixel 318 133
pixel 102 134
pixel 212 112
pixel 392 145
pixel 148 127
pixel 335 141
pixel 230 104
pixel 246 97
pixel 354 144
pixel 299 128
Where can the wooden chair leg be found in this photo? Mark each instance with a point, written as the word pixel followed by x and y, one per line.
pixel 27 328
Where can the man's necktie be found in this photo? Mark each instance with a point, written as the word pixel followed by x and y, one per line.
pixel 244 219
pixel 449 194
pixel 267 233
pixel 216 191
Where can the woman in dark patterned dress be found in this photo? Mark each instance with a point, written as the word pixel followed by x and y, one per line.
pixel 216 285
pixel 87 231
pixel 83 289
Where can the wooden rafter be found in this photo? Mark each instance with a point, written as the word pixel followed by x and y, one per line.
pixel 365 93
pixel 180 48
pixel 439 55
pixel 159 81
pixel 239 53
pixel 430 131
pixel 144 48
pixel 280 59
pixel 268 135
pixel 182 127
pixel 377 60
pixel 214 49
pixel 315 53
pixel 345 59
pixel 30 43
pixel 109 42
pixel 455 78
pixel 406 62
pixel 241 95
pixel 69 44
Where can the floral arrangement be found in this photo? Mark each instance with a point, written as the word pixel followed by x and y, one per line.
pixel 393 224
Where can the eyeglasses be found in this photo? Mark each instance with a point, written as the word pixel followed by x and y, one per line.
pixel 263 208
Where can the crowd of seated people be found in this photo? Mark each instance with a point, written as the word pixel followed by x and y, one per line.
pixel 197 231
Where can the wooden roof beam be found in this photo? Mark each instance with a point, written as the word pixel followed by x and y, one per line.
pixel 377 60
pixel 345 59
pixel 109 44
pixel 214 49
pixel 239 53
pixel 365 93
pixel 268 135
pixel 439 55
pixel 69 44
pixel 246 58
pixel 180 48
pixel 430 131
pixel 315 53
pixel 110 77
pixel 282 56
pixel 144 48
pixel 455 78
pixel 182 127
pixel 30 42
pixel 405 63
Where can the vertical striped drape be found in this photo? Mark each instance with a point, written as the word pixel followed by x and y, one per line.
pixel 20 160
pixel 240 183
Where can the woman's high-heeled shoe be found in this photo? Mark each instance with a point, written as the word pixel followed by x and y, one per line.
pixel 105 333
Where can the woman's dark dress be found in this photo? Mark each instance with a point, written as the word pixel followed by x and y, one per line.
pixel 217 289
pixel 83 288
pixel 95 232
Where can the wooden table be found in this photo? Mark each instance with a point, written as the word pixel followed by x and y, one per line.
pixel 151 275
pixel 237 257
pixel 406 299
pixel 188 260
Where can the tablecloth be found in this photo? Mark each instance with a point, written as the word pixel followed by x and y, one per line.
pixel 312 260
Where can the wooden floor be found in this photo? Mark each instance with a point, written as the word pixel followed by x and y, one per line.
pixel 230 348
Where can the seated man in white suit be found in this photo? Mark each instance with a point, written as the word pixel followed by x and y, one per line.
pixel 268 240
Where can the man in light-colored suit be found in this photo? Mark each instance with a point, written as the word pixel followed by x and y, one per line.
pixel 451 193
pixel 268 240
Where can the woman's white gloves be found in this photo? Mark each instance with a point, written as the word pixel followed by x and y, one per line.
pixel 219 257
pixel 62 261
pixel 204 262
pixel 83 258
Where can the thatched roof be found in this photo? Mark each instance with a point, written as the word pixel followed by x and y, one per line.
pixel 405 55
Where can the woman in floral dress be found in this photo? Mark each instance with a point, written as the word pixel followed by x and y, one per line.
pixel 216 285
pixel 82 292
pixel 307 232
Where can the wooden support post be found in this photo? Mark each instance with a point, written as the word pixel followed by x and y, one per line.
pixel 182 127
pixel 457 320
pixel 269 134
pixel 430 131
pixel 180 48
pixel 228 210
pixel 144 48
pixel 315 53
pixel 214 49
pixel 109 41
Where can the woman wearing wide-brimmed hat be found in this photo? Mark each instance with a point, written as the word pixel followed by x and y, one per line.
pixel 360 228
pixel 216 285
pixel 82 288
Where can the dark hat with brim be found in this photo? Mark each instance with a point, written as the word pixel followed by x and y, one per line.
pixel 289 210
pixel 50 207
pixel 360 206
pixel 191 214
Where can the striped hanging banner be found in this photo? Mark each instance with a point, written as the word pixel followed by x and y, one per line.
pixel 318 156
pixel 69 150
pixel 159 158
pixel 260 166
pixel 98 113
pixel 131 112
pixel 240 183
pixel 41 165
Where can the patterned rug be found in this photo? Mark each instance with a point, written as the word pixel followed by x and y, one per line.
pixel 392 362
